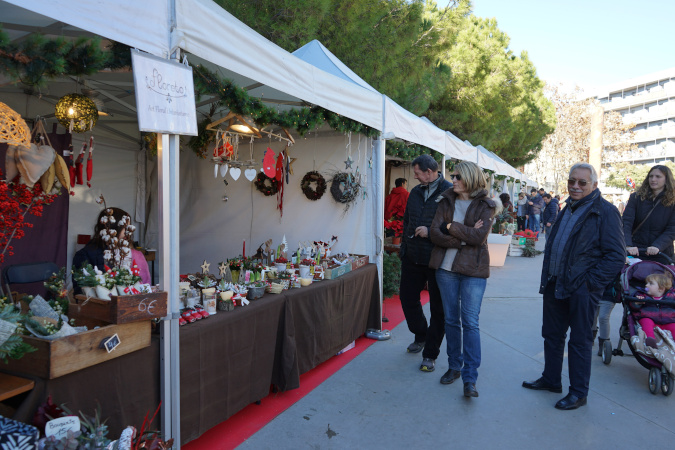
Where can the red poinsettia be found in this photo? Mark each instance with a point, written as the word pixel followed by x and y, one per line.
pixel 394 225
pixel 17 200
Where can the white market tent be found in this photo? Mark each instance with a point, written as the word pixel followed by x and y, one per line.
pixel 168 25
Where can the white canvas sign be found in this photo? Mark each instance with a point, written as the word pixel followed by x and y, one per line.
pixel 165 95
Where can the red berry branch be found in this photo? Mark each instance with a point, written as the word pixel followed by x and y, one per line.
pixel 16 201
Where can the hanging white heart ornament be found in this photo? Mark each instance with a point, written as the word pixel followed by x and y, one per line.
pixel 223 170
pixel 235 172
pixel 250 174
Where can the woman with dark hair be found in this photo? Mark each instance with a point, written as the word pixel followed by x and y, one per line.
pixel 459 232
pixel 94 252
pixel 507 205
pixel 648 223
pixel 521 212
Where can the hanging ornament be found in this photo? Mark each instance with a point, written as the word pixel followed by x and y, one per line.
pixel 235 173
pixel 279 177
pixel 349 162
pixel 13 129
pixel 269 163
pixel 266 185
pixel 76 112
pixel 90 162
pixel 306 185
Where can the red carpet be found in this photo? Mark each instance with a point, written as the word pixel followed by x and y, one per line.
pixel 245 423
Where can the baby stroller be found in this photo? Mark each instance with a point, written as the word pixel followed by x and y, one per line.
pixel 632 281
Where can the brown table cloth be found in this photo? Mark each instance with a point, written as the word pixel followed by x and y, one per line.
pixel 227 361
pixel 231 360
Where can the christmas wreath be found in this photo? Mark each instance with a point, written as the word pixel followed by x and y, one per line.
pixel 261 184
pixel 306 185
pixel 344 187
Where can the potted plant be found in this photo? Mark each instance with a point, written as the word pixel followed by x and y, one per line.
pixel 280 264
pixel 394 226
pixel 256 290
pixel 305 267
pixel 86 278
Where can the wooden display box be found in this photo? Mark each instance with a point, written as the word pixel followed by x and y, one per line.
pixel 125 308
pixel 69 354
pixel 332 272
pixel 359 261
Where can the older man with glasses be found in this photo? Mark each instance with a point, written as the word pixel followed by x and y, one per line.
pixel 584 252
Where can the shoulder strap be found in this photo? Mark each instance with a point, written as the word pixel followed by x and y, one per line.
pixel 646 217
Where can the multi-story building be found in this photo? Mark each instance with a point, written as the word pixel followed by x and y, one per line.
pixel 649 102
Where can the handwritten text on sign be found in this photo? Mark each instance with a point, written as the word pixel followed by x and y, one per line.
pixel 60 427
pixel 165 97
pixel 147 305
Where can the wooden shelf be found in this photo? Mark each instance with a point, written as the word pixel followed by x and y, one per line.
pixel 11 386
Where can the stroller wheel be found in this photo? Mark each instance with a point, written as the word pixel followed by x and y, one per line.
pixel 666 384
pixel 607 351
pixel 654 380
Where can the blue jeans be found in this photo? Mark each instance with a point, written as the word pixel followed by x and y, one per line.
pixel 461 320
pixel 533 222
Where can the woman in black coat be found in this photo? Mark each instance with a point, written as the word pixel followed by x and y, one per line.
pixel 648 223
pixel 656 234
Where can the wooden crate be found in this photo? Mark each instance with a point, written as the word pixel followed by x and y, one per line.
pixel 125 308
pixel 359 261
pixel 69 354
pixel 332 272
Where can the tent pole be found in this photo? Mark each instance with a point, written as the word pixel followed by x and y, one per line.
pixel 378 204
pixel 168 186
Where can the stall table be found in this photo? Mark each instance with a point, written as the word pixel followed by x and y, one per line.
pixel 227 361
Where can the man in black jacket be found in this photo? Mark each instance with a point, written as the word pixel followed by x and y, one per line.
pixel 415 253
pixel 584 253
pixel 549 215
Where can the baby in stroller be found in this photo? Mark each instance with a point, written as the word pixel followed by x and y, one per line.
pixel 658 287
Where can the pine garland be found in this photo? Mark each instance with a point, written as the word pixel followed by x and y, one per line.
pixel 37 59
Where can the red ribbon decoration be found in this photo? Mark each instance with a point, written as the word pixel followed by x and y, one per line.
pixel 90 163
pixel 279 176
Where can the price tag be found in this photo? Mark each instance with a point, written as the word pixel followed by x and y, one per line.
pixel 111 343
pixel 60 427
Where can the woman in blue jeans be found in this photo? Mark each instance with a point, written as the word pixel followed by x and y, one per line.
pixel 460 256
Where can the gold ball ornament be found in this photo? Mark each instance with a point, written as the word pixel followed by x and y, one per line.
pixel 13 129
pixel 77 112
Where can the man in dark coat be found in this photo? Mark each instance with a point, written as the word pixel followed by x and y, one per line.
pixel 415 253
pixel 550 214
pixel 585 251
pixel 536 204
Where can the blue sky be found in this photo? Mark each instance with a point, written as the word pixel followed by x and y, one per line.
pixel 591 43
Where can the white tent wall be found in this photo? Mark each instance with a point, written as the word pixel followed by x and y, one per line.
pixel 114 176
pixel 214 230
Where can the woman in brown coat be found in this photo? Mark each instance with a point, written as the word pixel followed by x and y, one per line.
pixel 460 256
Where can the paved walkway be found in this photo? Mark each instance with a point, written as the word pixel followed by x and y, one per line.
pixel 381 400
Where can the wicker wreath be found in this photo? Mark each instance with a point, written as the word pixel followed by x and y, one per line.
pixel 261 184
pixel 306 185
pixel 344 188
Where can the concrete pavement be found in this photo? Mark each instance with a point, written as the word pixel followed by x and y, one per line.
pixel 381 400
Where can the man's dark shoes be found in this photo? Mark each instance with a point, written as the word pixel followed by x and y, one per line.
pixel 450 376
pixel 427 365
pixel 569 402
pixel 541 385
pixel 416 347
pixel 470 390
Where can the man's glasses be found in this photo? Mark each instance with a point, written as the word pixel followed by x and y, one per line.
pixel 582 183
pixel 456 176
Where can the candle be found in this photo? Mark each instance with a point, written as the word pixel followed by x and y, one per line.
pixel 243 251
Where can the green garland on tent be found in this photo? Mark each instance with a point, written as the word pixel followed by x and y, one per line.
pixel 37 59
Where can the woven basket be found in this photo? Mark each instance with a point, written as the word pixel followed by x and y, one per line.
pixel 13 129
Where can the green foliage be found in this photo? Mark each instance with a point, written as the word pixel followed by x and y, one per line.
pixel 13 347
pixel 85 276
pixel 36 59
pixel 494 97
pixel 530 252
pixel 391 274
